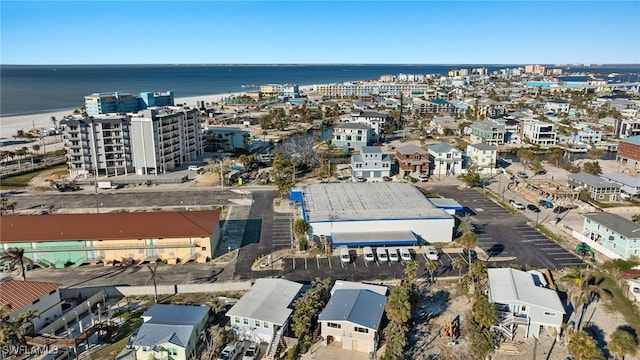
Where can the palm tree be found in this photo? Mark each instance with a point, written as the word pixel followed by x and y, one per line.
pixel 458 263
pixel 583 347
pixel 152 277
pixel 15 256
pixel 431 267
pixel 584 289
pixel 622 343
pixel 36 148
pixel 6 205
pixel 468 241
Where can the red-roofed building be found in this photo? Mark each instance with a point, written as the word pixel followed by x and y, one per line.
pixel 57 240
pixel 41 297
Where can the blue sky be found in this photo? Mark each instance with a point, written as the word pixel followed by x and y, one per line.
pixel 367 32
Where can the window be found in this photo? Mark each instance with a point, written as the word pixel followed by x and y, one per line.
pixel 257 323
pixel 245 321
pixel 361 330
pixel 265 324
pixel 334 325
pixel 236 320
pixel 523 308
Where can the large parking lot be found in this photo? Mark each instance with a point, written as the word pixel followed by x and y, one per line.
pixel 502 234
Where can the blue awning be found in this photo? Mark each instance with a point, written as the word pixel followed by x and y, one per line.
pixel 381 238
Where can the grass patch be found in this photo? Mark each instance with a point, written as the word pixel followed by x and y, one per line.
pixel 17 181
pixel 619 302
pixel 549 234
pixel 22 180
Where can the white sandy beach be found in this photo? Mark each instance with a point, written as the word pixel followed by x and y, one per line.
pixel 9 125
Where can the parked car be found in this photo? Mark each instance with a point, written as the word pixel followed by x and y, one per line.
pixel 405 254
pixel 546 203
pixel 345 257
pixel 517 205
pixel 423 177
pixel 533 208
pixel 432 253
pixel 386 178
pixel 522 174
pixel 381 253
pixel 541 172
pixel 368 253
pixel 393 255
pixel 231 351
pixel 252 352
pixel 195 168
pixel 559 209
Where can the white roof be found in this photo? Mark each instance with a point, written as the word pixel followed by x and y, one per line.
pixel 350 285
pixel 267 300
pixel 507 286
pixel 367 201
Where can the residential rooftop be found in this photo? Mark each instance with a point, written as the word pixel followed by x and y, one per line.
pixel 617 223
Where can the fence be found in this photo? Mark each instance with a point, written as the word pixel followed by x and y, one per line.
pixel 595 246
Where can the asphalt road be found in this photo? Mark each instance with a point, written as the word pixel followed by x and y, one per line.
pixel 122 199
pixel 502 234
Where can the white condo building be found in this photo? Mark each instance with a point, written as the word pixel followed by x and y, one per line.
pixel 540 133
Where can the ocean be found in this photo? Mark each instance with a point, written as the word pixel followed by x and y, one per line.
pixel 28 89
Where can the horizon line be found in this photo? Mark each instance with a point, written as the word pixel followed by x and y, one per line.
pixel 585 64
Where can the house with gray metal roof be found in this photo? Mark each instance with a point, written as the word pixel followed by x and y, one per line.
pixel 352 285
pixel 599 189
pixel 262 313
pixel 523 301
pixel 614 233
pixel 353 317
pixel 372 214
pixel 629 185
pixel 170 331
pixel 370 164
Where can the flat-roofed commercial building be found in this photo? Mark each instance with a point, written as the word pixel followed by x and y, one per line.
pixel 374 214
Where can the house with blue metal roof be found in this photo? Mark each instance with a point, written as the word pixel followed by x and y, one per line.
pixel 170 331
pixel 353 317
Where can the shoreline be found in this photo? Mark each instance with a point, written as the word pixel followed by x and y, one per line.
pixel 9 125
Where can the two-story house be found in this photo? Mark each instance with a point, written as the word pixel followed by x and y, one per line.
pixel 599 189
pixel 353 316
pixel 262 313
pixel 490 132
pixel 614 233
pixel 412 158
pixel 557 106
pixel 483 155
pixel 351 136
pixel 170 331
pixel 445 160
pixel 523 301
pixel 370 164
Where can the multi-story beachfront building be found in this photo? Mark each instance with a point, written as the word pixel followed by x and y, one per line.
pixel 120 102
pixel 152 141
pixel 490 132
pixel 351 136
pixel 348 90
pixel 540 133
pixel 275 90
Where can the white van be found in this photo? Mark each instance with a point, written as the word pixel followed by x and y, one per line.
pixel 345 257
pixel 432 253
pixel 368 254
pixel 381 253
pixel 405 254
pixel 393 254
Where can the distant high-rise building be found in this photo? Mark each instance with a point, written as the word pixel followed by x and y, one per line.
pixel 122 102
pixel 534 69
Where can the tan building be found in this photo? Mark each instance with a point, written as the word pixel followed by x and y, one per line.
pixel 352 317
pixel 63 239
